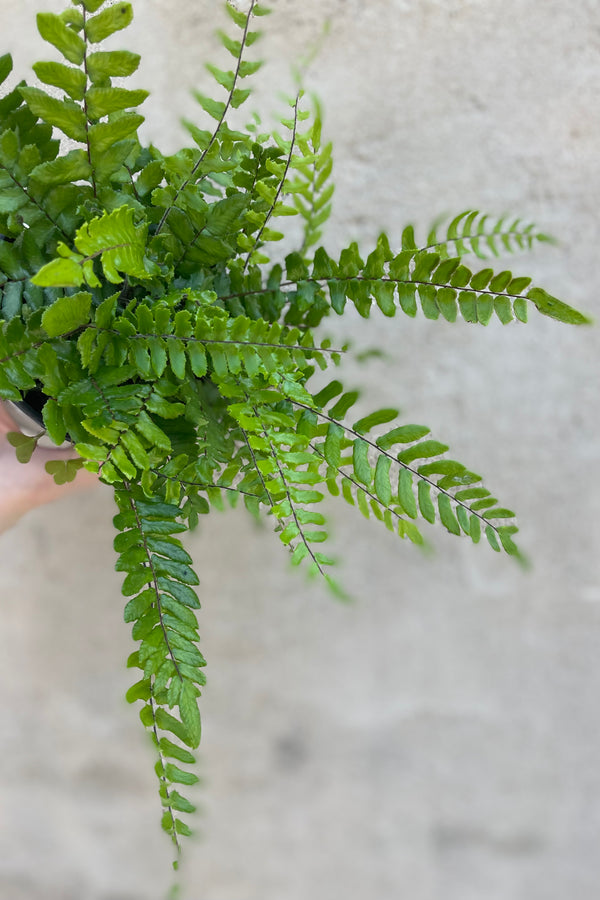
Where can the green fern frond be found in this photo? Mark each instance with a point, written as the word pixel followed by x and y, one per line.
pixel 26 198
pixel 443 287
pixel 312 189
pixel 159 584
pixel 362 467
pixel 208 141
pixel 114 239
pixel 288 476
pixel 199 336
pixel 478 233
pixel 93 112
pixel 19 356
pixel 271 194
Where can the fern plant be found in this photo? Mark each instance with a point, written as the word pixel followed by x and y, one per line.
pixel 144 322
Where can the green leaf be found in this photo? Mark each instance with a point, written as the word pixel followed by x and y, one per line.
pixel 163 408
pixel 225 79
pixel 112 19
pixel 139 691
pixel 74 166
pixel 67 314
pixel 405 493
pixel 150 430
pixel 382 480
pixel 24 445
pixel 167 722
pixel 59 273
pixel 12 299
pixel 214 108
pixel 499 513
pixel 181 592
pixel 475 529
pixel 54 422
pixel 101 101
pixel 332 448
pixel 404 434
pixel 190 715
pixel 408 238
pixel 341 407
pixel 6 67
pixel 238 17
pixel 182 828
pixel 157 509
pixel 406 297
pixel 137 606
pixel 68 42
pixel 463 519
pixel 135 581
pixel 481 279
pixel 180 776
pixel 112 64
pixel 176 801
pixel 556 309
pixel 71 81
pixel 135 450
pixel 177 358
pixel 425 502
pixel 170 548
pixel 447 517
pixel 114 237
pixel 197 357
pixel 74 18
pixel 63 114
pixel 92 5
pixel 105 134
pixel 174 569
pixel 492 538
pixel 380 417
pixel 422 451
pixel 92 451
pixel 360 459
pixel 61 470
pixel 173 751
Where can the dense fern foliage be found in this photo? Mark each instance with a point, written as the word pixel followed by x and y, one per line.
pixel 139 297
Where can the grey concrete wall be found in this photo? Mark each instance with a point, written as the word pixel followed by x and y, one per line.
pixel 439 739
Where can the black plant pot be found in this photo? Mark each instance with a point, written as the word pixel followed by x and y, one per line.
pixel 27 414
pixel 32 405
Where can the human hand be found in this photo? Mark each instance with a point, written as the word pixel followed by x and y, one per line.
pixel 25 486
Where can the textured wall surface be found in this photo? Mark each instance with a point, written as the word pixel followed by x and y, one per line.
pixel 439 739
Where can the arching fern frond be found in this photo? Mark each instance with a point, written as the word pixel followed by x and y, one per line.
pixel 212 158
pixel 478 233
pixel 287 473
pixel 443 287
pixel 312 188
pixel 383 483
pixel 404 281
pixel 159 584
pixel 271 193
pixel 193 341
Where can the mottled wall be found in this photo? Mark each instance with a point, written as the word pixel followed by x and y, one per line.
pixel 439 739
